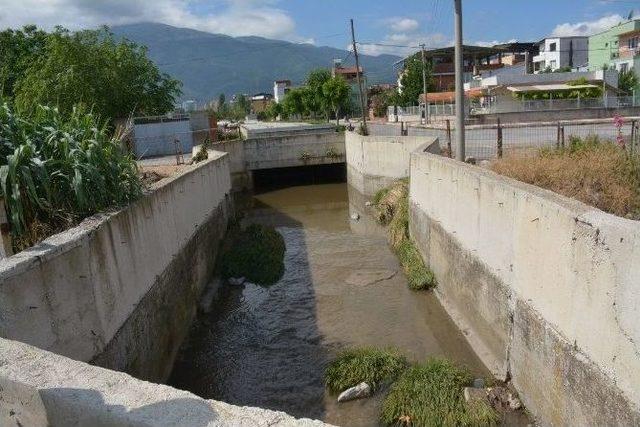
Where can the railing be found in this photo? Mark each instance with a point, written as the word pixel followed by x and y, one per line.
pixel 509 105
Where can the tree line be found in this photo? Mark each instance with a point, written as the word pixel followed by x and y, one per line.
pixel 111 77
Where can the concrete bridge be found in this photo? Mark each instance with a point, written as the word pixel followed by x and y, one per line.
pixel 280 147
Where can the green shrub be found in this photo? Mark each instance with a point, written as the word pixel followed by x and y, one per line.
pixel 56 170
pixel 431 394
pixel 256 253
pixel 370 365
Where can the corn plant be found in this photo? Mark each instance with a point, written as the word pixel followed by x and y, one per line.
pixel 56 170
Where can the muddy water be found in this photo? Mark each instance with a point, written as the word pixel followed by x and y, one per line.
pixel 342 287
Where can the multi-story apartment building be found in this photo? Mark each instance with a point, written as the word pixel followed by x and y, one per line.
pixel 616 48
pixel 561 52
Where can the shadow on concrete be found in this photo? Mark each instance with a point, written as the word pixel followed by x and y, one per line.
pixel 87 408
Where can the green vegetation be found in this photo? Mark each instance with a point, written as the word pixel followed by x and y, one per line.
pixel 392 207
pixel 431 394
pixel 336 94
pixel 256 253
pixel 58 169
pixel 111 78
pixel 628 81
pixel 599 173
pixel 321 96
pixel 411 81
pixel 367 364
pixel 236 110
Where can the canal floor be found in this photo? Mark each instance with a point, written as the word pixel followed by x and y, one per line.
pixel 342 287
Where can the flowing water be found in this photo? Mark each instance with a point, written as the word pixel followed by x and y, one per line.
pixel 343 287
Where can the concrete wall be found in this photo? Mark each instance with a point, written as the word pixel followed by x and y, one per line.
pixel 545 288
pixel 42 389
pixel 157 139
pixel 120 289
pixel 374 162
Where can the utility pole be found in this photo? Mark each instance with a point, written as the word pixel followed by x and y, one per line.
pixel 355 53
pixel 424 85
pixel 459 60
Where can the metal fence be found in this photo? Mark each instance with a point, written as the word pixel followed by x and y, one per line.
pixel 485 142
pixel 511 105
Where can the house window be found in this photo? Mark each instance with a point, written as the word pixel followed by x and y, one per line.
pixel 632 43
pixel 552 47
pixel 553 64
pixel 624 68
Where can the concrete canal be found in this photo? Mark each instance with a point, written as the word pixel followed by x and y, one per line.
pixel 342 287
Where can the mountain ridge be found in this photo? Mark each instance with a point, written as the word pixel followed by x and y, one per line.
pixel 209 64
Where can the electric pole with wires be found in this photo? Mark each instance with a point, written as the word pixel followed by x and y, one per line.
pixel 459 66
pixel 362 106
pixel 424 86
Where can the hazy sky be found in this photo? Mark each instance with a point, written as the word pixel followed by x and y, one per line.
pixel 325 22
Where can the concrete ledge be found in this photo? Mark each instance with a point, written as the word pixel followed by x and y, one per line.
pixel 42 389
pixel 544 287
pixel 76 291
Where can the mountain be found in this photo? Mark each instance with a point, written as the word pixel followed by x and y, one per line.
pixel 209 64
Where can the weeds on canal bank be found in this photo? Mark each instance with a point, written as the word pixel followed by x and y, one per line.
pixel 392 209
pixel 431 394
pixel 369 365
pixel 256 253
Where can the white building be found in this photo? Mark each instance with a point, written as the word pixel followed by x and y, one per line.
pixel 561 52
pixel 280 89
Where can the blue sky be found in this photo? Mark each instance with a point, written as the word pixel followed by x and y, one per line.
pixel 325 22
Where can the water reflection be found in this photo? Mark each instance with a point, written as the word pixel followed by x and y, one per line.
pixel 268 347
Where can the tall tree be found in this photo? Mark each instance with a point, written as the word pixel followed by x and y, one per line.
pixel 293 103
pixel 336 93
pixel 411 80
pixel 315 99
pixel 221 101
pixel 113 78
pixel 19 49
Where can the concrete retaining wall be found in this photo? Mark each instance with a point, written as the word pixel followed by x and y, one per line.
pixel 42 389
pixel 374 162
pixel 120 289
pixel 545 287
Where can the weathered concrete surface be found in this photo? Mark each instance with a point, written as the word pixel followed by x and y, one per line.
pixel 121 288
pixel 545 288
pixel 42 389
pixel 374 162
pixel 281 149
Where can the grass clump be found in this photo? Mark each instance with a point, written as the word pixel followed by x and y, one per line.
pixel 373 366
pixel 600 174
pixel 431 394
pixel 392 207
pixel 256 253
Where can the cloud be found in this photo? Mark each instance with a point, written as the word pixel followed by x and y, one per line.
pixel 586 28
pixel 403 44
pixel 402 24
pixel 232 17
pixel 403 38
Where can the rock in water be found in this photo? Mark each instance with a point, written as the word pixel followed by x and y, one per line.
pixel 358 392
pixel 368 203
pixel 355 216
pixel 236 281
